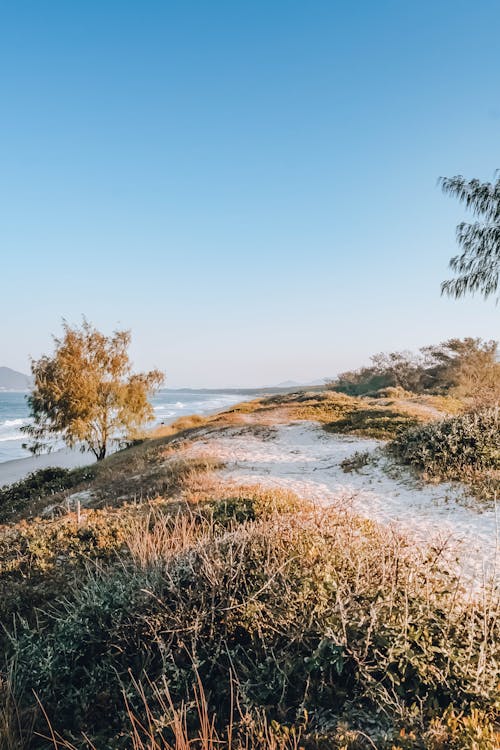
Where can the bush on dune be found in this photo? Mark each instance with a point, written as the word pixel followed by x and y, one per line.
pixel 316 617
pixel 17 497
pixel 455 448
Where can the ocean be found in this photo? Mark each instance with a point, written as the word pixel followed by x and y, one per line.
pixel 167 404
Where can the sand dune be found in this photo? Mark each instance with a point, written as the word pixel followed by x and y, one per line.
pixel 304 458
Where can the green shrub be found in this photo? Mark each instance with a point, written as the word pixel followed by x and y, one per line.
pixel 455 448
pixel 356 462
pixel 15 498
pixel 382 424
pixel 254 503
pixel 317 615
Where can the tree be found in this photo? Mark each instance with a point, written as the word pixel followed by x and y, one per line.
pixel 467 368
pixel 403 368
pixel 86 392
pixel 477 268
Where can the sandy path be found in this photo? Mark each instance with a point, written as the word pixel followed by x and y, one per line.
pixel 304 458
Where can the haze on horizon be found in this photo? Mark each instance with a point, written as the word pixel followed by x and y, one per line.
pixel 250 188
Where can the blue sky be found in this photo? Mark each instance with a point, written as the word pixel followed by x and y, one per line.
pixel 250 187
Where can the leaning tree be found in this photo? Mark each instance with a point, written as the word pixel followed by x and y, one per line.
pixel 477 268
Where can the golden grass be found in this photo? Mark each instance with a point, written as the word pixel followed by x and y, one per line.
pixel 260 579
pixel 16 723
pixel 185 426
pixel 181 425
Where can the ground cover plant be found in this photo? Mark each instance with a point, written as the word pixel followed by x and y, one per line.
pixel 465 447
pixel 20 496
pixel 345 414
pixel 315 621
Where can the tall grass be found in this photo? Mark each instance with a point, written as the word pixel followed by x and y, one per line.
pixel 16 722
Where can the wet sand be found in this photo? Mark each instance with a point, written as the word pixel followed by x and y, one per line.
pixel 13 471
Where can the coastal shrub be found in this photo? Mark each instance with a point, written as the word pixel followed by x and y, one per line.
pixel 379 423
pixel 253 503
pixel 465 368
pixel 319 615
pixel 454 448
pixel 356 462
pixel 17 497
pixel 339 412
pixel 41 560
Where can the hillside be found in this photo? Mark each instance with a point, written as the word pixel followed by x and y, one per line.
pixel 11 380
pixel 265 578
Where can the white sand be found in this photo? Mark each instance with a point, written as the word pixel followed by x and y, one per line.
pixel 13 471
pixel 302 457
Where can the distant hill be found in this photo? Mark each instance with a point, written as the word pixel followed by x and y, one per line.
pixel 11 380
pixel 295 384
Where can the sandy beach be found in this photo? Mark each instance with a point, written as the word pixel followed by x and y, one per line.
pixel 13 471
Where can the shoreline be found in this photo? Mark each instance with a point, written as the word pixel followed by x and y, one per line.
pixel 18 468
pixel 15 469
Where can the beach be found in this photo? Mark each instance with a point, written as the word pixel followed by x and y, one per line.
pixel 17 462
pixel 18 468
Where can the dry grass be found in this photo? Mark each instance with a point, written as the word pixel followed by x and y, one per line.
pixel 16 723
pixel 190 425
pixel 186 612
pixel 164 478
pixel 161 725
pixel 313 613
pixel 183 425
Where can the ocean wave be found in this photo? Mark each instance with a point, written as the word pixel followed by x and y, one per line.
pixel 177 405
pixel 167 407
pixel 14 423
pixel 10 430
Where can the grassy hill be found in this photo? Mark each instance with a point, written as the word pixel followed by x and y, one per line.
pixel 149 604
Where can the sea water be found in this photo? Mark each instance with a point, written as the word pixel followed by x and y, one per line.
pixel 168 405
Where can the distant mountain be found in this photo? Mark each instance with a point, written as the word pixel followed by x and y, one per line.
pixel 295 384
pixel 11 380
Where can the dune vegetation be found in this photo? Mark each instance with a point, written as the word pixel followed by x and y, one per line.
pixel 464 447
pixel 148 603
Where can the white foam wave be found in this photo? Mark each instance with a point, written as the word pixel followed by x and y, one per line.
pixel 10 430
pixel 12 436
pixel 14 423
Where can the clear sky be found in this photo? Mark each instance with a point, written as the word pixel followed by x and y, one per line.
pixel 249 186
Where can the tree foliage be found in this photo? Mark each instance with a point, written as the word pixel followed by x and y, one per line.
pixel 468 368
pixel 477 268
pixel 86 391
pixel 465 368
